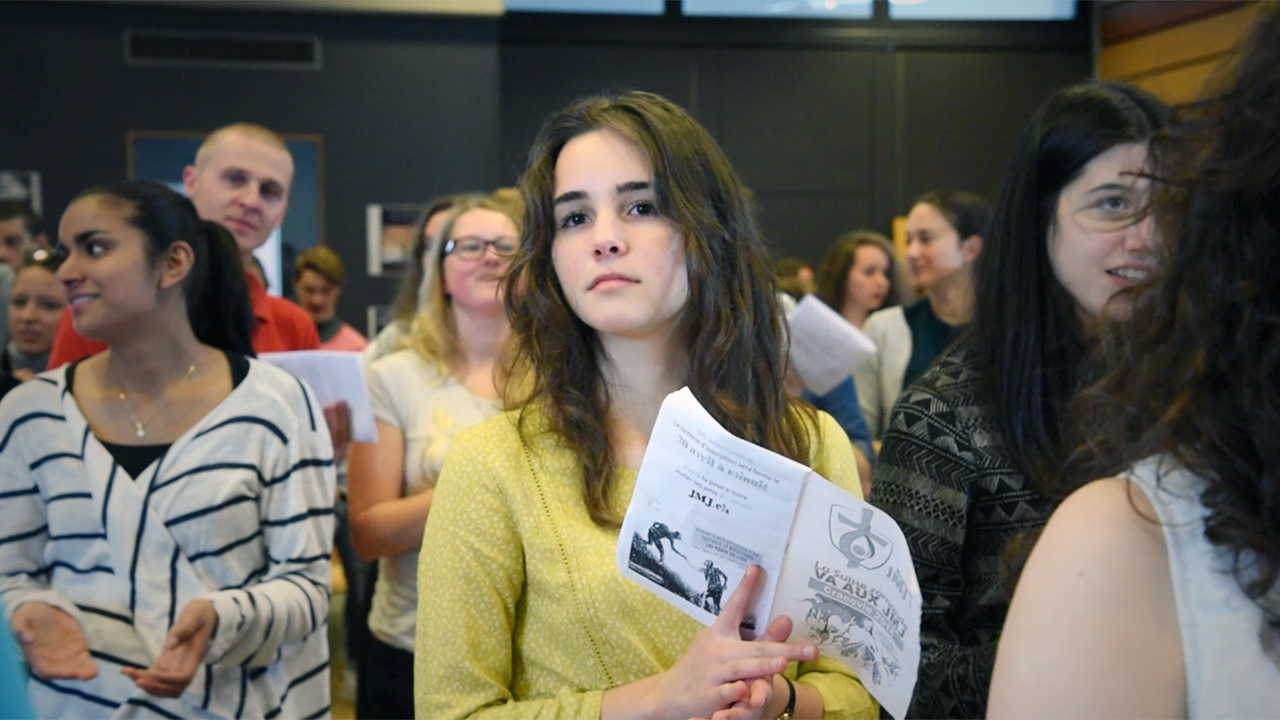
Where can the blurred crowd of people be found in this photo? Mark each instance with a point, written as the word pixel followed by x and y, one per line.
pixel 1070 412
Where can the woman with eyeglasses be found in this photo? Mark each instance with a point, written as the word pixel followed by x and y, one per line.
pixel 35 305
pixel 408 301
pixel 423 395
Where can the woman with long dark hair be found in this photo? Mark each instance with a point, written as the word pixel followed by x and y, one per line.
pixel 1153 593
pixel 168 501
pixel 971 448
pixel 641 270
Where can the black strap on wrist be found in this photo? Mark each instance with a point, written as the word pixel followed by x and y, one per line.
pixel 791 701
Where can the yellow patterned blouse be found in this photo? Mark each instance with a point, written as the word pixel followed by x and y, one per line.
pixel 522 612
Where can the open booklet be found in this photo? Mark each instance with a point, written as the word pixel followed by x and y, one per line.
pixel 825 347
pixel 708 504
pixel 334 376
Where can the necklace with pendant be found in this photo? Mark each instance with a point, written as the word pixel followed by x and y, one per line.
pixel 140 428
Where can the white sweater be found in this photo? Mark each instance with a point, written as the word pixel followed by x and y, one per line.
pixel 879 377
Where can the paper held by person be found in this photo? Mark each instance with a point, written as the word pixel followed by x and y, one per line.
pixel 825 348
pixel 333 376
pixel 708 504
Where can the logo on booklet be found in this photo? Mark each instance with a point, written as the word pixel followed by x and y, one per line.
pixel 860 544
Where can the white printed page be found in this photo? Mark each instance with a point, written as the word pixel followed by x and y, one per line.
pixel 333 376
pixel 707 505
pixel 850 586
pixel 825 347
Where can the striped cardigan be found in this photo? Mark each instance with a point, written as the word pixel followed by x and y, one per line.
pixel 238 511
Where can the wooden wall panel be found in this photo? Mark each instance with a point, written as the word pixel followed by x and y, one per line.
pixel 1179 85
pixel 1123 19
pixel 1174 60
pixel 1209 37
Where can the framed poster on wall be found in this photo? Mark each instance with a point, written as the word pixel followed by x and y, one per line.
pixel 161 156
pixel 23 186
pixel 389 236
pixel 377 317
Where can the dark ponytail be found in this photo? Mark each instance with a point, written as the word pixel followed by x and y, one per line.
pixel 216 292
pixel 968 213
pixel 218 295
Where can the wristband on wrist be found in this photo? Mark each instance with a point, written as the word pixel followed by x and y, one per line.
pixel 791 701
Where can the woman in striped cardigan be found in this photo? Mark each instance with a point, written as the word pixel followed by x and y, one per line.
pixel 168 502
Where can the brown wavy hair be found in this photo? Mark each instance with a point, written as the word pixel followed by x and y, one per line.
pixel 1193 374
pixel 730 325
pixel 833 273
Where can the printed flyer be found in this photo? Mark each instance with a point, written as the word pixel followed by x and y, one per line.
pixel 708 504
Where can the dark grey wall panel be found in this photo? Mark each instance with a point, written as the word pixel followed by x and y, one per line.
pixel 538 80
pixel 797 121
pixel 829 140
pixel 799 127
pixel 961 113
pixel 804 149
pixel 831 129
pixel 805 225
pixel 407 107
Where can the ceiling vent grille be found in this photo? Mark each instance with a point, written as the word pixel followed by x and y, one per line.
pixel 221 50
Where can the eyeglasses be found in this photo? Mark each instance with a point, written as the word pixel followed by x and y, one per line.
pixel 472 248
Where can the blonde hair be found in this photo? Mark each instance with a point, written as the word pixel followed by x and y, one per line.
pixel 432 333
pixel 510 197
pixel 249 130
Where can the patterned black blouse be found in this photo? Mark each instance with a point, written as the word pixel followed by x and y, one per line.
pixel 946 477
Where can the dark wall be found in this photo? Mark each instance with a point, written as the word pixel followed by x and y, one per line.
pixel 833 126
pixel 407 106
pixel 805 151
pixel 832 132
pixel 962 112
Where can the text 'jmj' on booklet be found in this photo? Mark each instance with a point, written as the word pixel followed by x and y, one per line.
pixel 708 504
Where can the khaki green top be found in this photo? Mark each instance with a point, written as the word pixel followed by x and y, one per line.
pixel 522 611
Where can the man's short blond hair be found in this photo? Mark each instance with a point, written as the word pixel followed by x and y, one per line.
pixel 250 130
